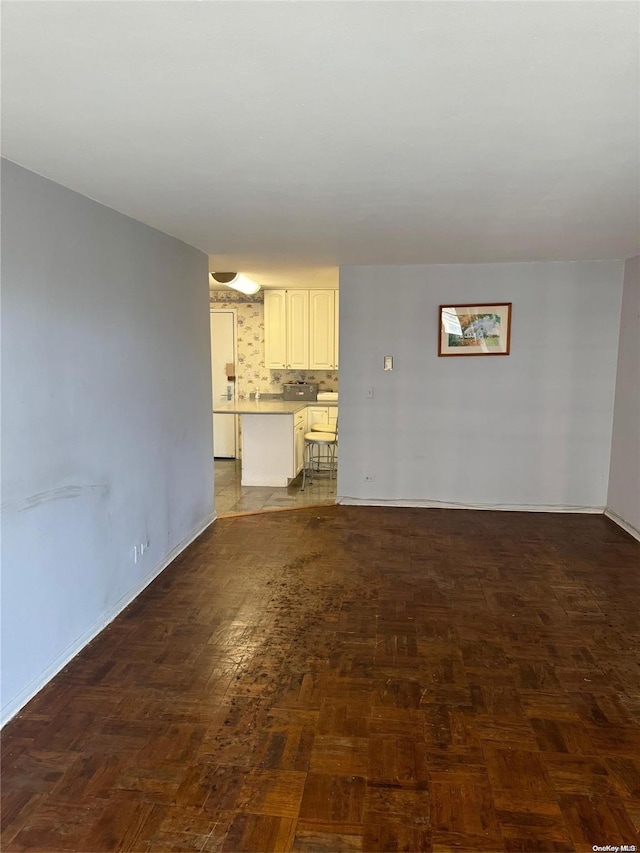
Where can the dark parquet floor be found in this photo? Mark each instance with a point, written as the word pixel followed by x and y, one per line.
pixel 345 679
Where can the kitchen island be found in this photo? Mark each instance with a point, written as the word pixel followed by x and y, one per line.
pixel 272 438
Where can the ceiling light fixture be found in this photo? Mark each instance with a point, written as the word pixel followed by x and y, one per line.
pixel 237 281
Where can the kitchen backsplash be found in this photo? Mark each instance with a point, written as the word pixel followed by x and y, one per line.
pixel 251 374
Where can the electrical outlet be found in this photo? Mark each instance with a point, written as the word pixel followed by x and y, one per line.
pixel 369 478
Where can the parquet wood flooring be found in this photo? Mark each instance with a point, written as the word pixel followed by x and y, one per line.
pixel 350 679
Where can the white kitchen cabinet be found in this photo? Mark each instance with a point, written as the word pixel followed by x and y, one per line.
pixel 275 329
pixel 317 415
pixel 301 329
pixel 321 329
pixel 297 329
pixel 286 329
pixel 299 429
pixel 322 415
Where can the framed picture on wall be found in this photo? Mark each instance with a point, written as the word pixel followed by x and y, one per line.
pixel 483 329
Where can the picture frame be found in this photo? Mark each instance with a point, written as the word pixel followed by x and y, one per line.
pixel 480 329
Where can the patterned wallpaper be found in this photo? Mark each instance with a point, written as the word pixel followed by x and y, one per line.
pixel 251 374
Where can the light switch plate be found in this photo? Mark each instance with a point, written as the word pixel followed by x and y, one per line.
pixel 388 362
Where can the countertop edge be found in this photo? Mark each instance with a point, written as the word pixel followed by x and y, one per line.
pixel 271 407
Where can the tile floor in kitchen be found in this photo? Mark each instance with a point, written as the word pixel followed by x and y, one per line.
pixel 232 497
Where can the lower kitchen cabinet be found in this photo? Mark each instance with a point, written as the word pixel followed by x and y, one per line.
pixel 299 429
pixel 322 415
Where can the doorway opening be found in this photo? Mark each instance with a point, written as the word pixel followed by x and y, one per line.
pixel 233 377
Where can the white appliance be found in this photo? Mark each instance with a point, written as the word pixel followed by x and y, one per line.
pixel 223 353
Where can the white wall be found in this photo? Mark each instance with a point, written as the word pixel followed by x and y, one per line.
pixel 106 430
pixel 532 429
pixel 623 501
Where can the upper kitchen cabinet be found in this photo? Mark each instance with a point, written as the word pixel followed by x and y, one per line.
pixel 322 337
pixel 301 329
pixel 286 329
pixel 275 329
pixel 297 329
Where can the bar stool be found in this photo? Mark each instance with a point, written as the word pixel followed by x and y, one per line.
pixel 326 427
pixel 315 443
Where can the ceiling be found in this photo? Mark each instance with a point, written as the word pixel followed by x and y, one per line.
pixel 287 138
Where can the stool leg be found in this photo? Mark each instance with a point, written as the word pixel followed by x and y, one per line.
pixel 304 465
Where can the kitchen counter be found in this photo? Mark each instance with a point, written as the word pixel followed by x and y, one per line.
pixel 268 407
pixel 273 447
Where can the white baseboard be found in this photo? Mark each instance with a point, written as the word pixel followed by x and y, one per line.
pixel 630 529
pixel 36 684
pixel 348 501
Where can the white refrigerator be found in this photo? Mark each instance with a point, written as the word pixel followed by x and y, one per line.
pixel 223 354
